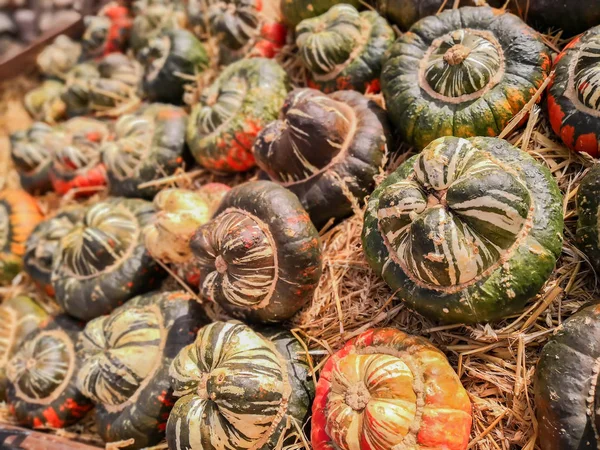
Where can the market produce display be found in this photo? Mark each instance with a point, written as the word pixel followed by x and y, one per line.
pixel 343 49
pixel 465 72
pixel 41 390
pixel 126 357
pixel 573 104
pixel 239 389
pixel 466 231
pixel 146 145
pixel 323 146
pixel 588 210
pixel 260 256
pixel 386 389
pixel 102 262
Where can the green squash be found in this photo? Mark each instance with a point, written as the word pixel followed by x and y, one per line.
pixel 127 356
pixel 343 49
pixel 75 94
pixel 295 11
pixel 324 146
pixel 19 316
pixel 31 152
pixel 467 231
pixel 466 72
pixel 106 32
pixel 245 97
pixel 239 389
pixel 170 60
pixel 588 211
pixel 102 262
pixel 260 255
pixel 41 390
pixel 567 394
pixel 58 58
pixel 146 145
pixel 44 102
pixel 152 18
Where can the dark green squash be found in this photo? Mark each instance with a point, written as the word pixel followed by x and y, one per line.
pixel 239 389
pixel 107 32
pixel 41 375
pixel 43 244
pixel 102 262
pixel 567 392
pixel 426 83
pixel 75 93
pixel 245 97
pixel 31 152
pixel 58 58
pixel 295 11
pixel 467 231
pixel 127 356
pixel 588 211
pixel 170 60
pixel 343 49
pixel 324 147
pixel 152 18
pixel 44 102
pixel 260 255
pixel 146 145
pixel 19 316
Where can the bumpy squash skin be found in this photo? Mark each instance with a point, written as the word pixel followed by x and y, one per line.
pixel 500 291
pixel 588 210
pixel 146 145
pixel 141 337
pixel 19 316
pixel 316 177
pixel 238 388
pixel 260 255
pixel 353 60
pixel 88 287
pixel 168 55
pixel 45 366
pixel 19 215
pixel 401 367
pixel 243 99
pixel 32 157
pixel 295 11
pixel 422 110
pixel 566 385
pixel 573 112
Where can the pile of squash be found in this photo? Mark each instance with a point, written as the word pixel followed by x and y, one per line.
pixel 468 230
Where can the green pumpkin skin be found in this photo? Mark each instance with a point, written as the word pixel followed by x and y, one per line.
pixel 245 97
pixel 234 389
pixel 167 57
pixel 567 393
pixel 588 211
pixel 121 268
pixel 343 49
pixel 147 145
pixel 127 356
pixel 424 73
pixel 295 11
pixel 527 258
pixel 32 156
pixel 152 18
pixel 41 389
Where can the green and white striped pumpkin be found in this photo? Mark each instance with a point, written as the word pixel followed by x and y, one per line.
pixel 466 231
pixel 239 389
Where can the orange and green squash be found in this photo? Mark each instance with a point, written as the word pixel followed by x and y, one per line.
pixel 107 32
pixel 588 216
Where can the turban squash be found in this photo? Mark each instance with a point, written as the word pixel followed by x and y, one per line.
pixel 588 211
pixel 573 104
pixel 260 255
pixel 19 215
pixel 343 49
pixel 58 58
pixel 567 394
pixel 245 97
pixel 145 146
pixel 44 102
pixel 323 146
pixel 466 231
pixel 465 72
pixel 102 261
pixel 239 389
pixel 32 156
pixel 152 18
pixel 126 357
pixel 295 11
pixel 386 389
pixel 106 32
pixel 41 375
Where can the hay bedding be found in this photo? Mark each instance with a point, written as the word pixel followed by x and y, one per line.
pixel 496 362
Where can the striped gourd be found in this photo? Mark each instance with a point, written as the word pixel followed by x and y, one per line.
pixel 260 256
pixel 106 32
pixel 464 72
pixel 41 390
pixel 44 102
pixel 466 231
pixel 343 49
pixel 588 213
pixel 102 262
pixel 152 18
pixel 324 146
pixel 386 389
pixel 239 389
pixel 295 11
pixel 58 58
pixel 126 357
